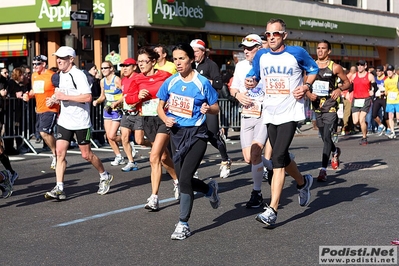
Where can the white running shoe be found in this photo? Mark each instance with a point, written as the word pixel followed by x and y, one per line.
pixel 118 161
pixel 225 169
pixel 134 152
pixel 152 203
pixel 53 162
pixel 182 231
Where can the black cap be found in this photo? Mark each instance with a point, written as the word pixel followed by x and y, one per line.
pixel 390 67
pixel 361 63
pixel 380 68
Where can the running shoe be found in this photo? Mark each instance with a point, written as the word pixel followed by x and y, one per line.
pixel 55 193
pixel 130 166
pixel 304 192
pixel 182 231
pixel 176 190
pixel 53 162
pixel 118 161
pixel 322 176
pixel 196 175
pixel 256 200
pixel 6 185
pixel 13 178
pixel 268 217
pixel 335 159
pixel 134 152
pixel 152 203
pixel 225 169
pixel 392 135
pixel 363 142
pixel 381 130
pixel 335 138
pixel 214 197
pixel 104 184
pixel 388 132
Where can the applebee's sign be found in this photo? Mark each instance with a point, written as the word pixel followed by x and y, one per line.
pixel 51 13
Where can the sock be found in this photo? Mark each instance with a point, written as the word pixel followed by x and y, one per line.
pixel 154 196
pixel 184 223
pixel 323 168
pixel 267 163
pixel 175 181
pixel 119 155
pixel 257 175
pixel 104 175
pixel 304 183
pixel 60 185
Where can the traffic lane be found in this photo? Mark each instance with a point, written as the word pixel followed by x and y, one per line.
pixel 340 213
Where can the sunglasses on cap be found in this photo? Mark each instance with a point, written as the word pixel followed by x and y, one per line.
pixel 249 40
pixel 280 33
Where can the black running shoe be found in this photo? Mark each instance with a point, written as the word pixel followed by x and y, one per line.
pixel 256 200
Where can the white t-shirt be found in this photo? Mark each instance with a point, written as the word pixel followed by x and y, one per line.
pixel 74 115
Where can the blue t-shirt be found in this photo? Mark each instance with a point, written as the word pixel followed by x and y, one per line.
pixel 180 94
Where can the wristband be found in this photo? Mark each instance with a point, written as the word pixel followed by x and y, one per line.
pixel 310 86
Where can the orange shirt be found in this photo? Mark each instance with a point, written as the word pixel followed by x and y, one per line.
pixel 43 88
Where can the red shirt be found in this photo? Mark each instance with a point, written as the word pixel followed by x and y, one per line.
pixel 141 82
pixel 361 87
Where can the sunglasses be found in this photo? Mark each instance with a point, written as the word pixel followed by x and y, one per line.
pixel 143 61
pixel 36 64
pixel 105 68
pixel 360 64
pixel 126 65
pixel 249 48
pixel 268 34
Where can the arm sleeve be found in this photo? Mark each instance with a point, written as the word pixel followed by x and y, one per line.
pixel 216 77
pixel 132 95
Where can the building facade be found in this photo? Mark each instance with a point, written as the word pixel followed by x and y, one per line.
pixel 357 29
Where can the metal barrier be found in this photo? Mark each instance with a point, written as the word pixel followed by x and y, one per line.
pixel 18 119
pixel 229 114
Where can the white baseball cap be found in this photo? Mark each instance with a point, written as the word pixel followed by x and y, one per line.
pixel 64 51
pixel 251 40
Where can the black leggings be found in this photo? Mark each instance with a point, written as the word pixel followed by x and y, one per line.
pixel 185 169
pixel 326 123
pixel 212 122
pixel 280 139
pixel 377 105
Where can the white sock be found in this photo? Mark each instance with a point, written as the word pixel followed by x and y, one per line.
pixel 257 176
pixel 104 175
pixel 60 185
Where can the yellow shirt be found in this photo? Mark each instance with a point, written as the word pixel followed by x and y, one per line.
pixel 391 89
pixel 168 67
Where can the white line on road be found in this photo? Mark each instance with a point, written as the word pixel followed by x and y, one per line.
pixel 101 215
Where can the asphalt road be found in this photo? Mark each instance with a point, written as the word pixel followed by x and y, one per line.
pixel 357 206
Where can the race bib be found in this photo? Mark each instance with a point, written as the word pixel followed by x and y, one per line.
pixel 277 86
pixel 358 102
pixel 127 107
pixel 149 108
pixel 321 88
pixel 181 105
pixel 253 110
pixel 38 86
pixel 392 95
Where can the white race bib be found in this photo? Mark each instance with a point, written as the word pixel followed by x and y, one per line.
pixel 181 105
pixel 276 86
pixel 38 86
pixel 149 108
pixel 392 95
pixel 321 88
pixel 358 102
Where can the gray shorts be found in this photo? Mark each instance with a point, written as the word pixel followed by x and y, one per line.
pixel 252 129
pixel 133 122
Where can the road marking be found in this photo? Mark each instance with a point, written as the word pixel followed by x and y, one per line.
pixel 101 215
